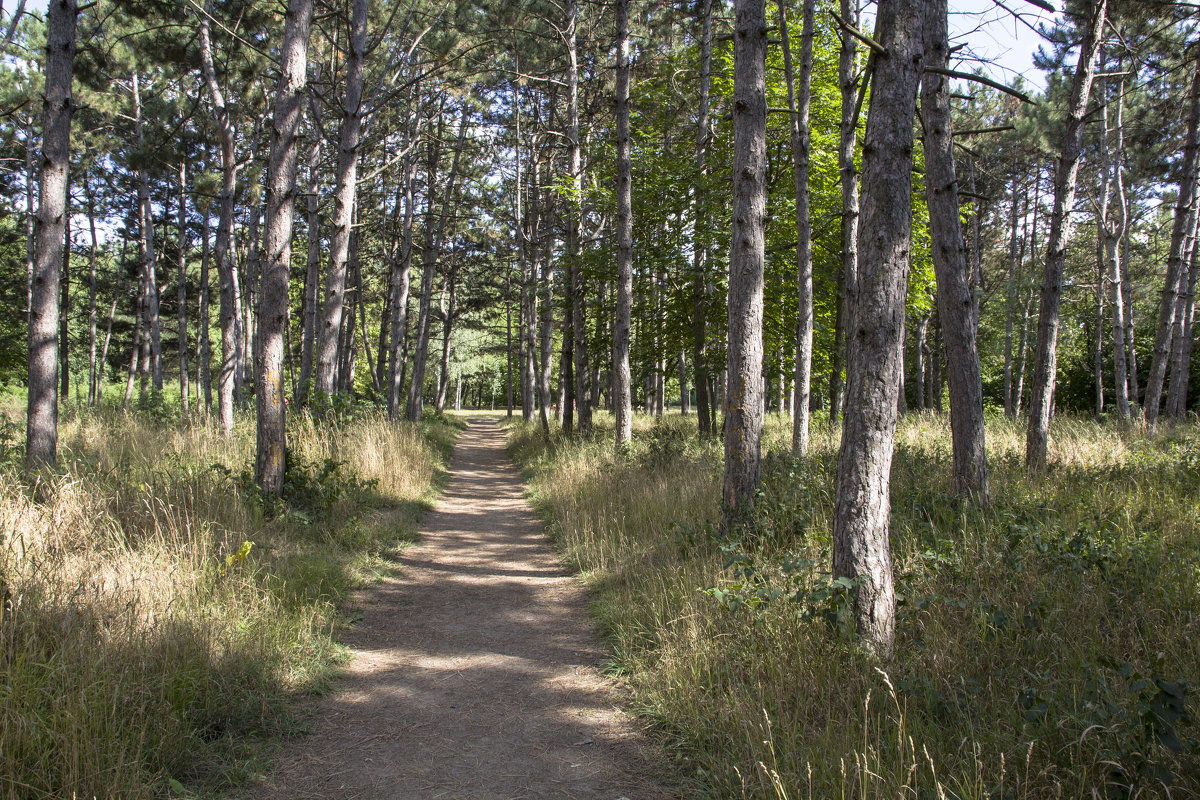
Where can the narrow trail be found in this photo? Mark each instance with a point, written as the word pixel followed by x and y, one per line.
pixel 474 670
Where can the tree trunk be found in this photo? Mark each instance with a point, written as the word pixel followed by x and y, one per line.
pixel 1113 234
pixel 1010 297
pixel 433 244
pixel 344 199
pixel 799 101
pixel 223 250
pixel 93 382
pixel 1046 359
pixel 622 377
pixel 149 255
pixel 204 368
pixel 64 316
pixel 41 432
pixel 271 453
pixel 700 284
pixel 447 328
pixel 401 280
pixel 312 269
pixel 1176 264
pixel 546 333
pixel 860 536
pixel 138 336
pixel 574 220
pixel 847 277
pixel 743 401
pixel 181 292
pixel 1176 406
pixel 956 302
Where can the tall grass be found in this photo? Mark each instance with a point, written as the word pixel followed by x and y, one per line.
pixel 157 615
pixel 1046 647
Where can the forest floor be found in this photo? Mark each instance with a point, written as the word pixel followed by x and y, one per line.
pixel 474 670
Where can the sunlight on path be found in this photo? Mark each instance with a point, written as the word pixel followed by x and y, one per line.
pixel 474 671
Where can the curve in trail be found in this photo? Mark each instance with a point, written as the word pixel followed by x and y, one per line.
pixel 474 671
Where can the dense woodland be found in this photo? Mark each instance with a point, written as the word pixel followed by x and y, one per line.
pixel 819 217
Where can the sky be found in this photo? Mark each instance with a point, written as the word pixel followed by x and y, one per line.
pixel 993 34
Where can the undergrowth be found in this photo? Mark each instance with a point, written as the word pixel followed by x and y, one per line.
pixel 1046 647
pixel 159 618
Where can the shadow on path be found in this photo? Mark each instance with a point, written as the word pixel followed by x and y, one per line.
pixel 474 671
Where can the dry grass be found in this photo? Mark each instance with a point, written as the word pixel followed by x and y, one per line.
pixel 1041 643
pixel 157 616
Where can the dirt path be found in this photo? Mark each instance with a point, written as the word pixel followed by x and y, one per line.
pixel 474 671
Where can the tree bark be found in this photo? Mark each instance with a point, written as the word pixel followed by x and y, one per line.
pixel 223 248
pixel 93 384
pixel 1010 296
pixel 578 287
pixel 860 536
pixel 401 278
pixel 622 378
pixel 956 301
pixel 1176 264
pixel 743 403
pixel 181 292
pixel 41 432
pixel 204 368
pixel 149 254
pixel 546 334
pixel 799 101
pixel 847 278
pixel 1046 358
pixel 271 453
pixel 433 244
pixel 701 288
pixel 312 270
pixel 344 198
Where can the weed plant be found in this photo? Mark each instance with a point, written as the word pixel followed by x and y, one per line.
pixel 1046 646
pixel 158 616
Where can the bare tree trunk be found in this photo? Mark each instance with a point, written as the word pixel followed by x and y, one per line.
pixel 344 198
pixel 149 256
pixel 41 431
pixel 578 287
pixel 447 328
pixel 798 102
pixel 1046 360
pixel 860 536
pixel 433 244
pixel 700 285
pixel 204 368
pixel 956 302
pixel 622 378
pixel 312 271
pixel 743 400
pixel 1010 297
pixel 30 216
pixel 1176 405
pixel 1176 263
pixel 182 291
pixel 847 278
pixel 223 250
pixel 401 279
pixel 138 336
pixel 922 348
pixel 93 381
pixel 1130 329
pixel 1113 235
pixel 64 304
pixel 546 342
pixel 271 453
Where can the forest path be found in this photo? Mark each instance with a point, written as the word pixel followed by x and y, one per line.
pixel 473 671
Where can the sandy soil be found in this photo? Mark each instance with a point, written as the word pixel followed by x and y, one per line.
pixel 474 672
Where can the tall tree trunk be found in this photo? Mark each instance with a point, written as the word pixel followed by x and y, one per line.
pixel 956 302
pixel 622 378
pixel 860 536
pixel 344 200
pixel 41 431
pixel 138 338
pixel 701 288
pixel 223 249
pixel 102 364
pixel 922 348
pixel 447 328
pixel 1176 405
pixel 93 382
pixel 347 351
pixel 312 271
pixel 30 216
pixel 401 279
pixel 508 341
pixel 1130 329
pixel 64 316
pixel 1176 263
pixel 149 254
pixel 1010 296
pixel 847 274
pixel 546 334
pixel 204 368
pixel 181 291
pixel 1113 234
pixel 433 245
pixel 574 221
pixel 799 101
pixel 743 400
pixel 271 453
pixel 1046 359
